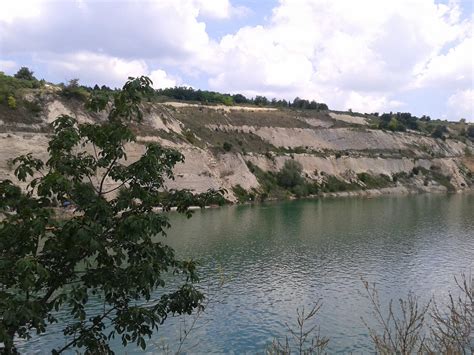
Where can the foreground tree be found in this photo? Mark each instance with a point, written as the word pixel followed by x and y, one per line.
pixel 109 248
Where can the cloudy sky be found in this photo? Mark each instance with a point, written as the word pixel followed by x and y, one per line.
pixel 367 55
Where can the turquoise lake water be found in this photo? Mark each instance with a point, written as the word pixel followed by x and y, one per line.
pixel 277 257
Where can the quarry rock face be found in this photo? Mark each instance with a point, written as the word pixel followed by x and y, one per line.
pixel 325 144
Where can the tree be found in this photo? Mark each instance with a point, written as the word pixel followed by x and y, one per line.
pixel 260 100
pixel 25 74
pixel 290 175
pixel 109 248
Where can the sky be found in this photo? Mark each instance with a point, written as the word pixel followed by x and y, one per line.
pixel 366 55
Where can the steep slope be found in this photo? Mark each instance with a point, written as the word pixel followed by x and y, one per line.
pixel 242 149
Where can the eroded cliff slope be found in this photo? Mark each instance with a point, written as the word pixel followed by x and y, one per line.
pixel 242 149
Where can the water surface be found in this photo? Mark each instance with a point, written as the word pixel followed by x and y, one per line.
pixel 279 256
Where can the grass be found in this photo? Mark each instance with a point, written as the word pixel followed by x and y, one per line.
pixel 269 184
pixel 333 184
pixel 244 195
pixel 435 175
pixel 375 181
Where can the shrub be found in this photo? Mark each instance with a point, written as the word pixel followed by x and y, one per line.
pixel 25 74
pixel 439 132
pixel 74 91
pixel 227 146
pixel 374 181
pixel 32 106
pixel 300 190
pixel 290 175
pixel 190 137
pixel 242 194
pixel 11 102
pixel 470 131
pixel 402 175
pixel 268 182
pixel 333 184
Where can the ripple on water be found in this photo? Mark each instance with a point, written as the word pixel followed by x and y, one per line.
pixel 282 256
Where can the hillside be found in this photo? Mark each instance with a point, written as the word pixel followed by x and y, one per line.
pixel 244 148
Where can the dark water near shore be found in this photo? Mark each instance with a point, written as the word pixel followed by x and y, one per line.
pixel 280 256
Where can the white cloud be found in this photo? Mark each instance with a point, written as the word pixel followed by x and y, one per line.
pixel 7 65
pixel 370 103
pixel 453 69
pixel 162 80
pixel 362 54
pixel 359 53
pixel 462 104
pixel 97 68
pixel 168 30
pixel 12 10
pixel 220 9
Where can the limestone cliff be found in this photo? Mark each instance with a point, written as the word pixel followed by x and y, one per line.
pixel 327 144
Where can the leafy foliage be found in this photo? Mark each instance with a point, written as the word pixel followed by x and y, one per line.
pixel 25 74
pixel 288 181
pixel 9 86
pixel 334 184
pixel 290 175
pixel 109 248
pixel 74 90
pixel 310 105
pixel 11 102
pixel 374 181
pixel 189 94
pixel 470 131
pixel 439 132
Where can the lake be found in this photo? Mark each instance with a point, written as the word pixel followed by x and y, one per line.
pixel 276 257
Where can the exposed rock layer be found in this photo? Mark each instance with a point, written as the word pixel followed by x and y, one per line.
pixel 324 144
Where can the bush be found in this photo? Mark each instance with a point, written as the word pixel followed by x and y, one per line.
pixel 374 181
pixel 11 102
pixel 74 91
pixel 190 137
pixel 300 190
pixel 25 74
pixel 333 184
pixel 227 146
pixel 439 132
pixel 290 175
pixel 10 85
pixel 268 182
pixel 242 194
pixel 402 175
pixel 470 131
pixel 32 106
